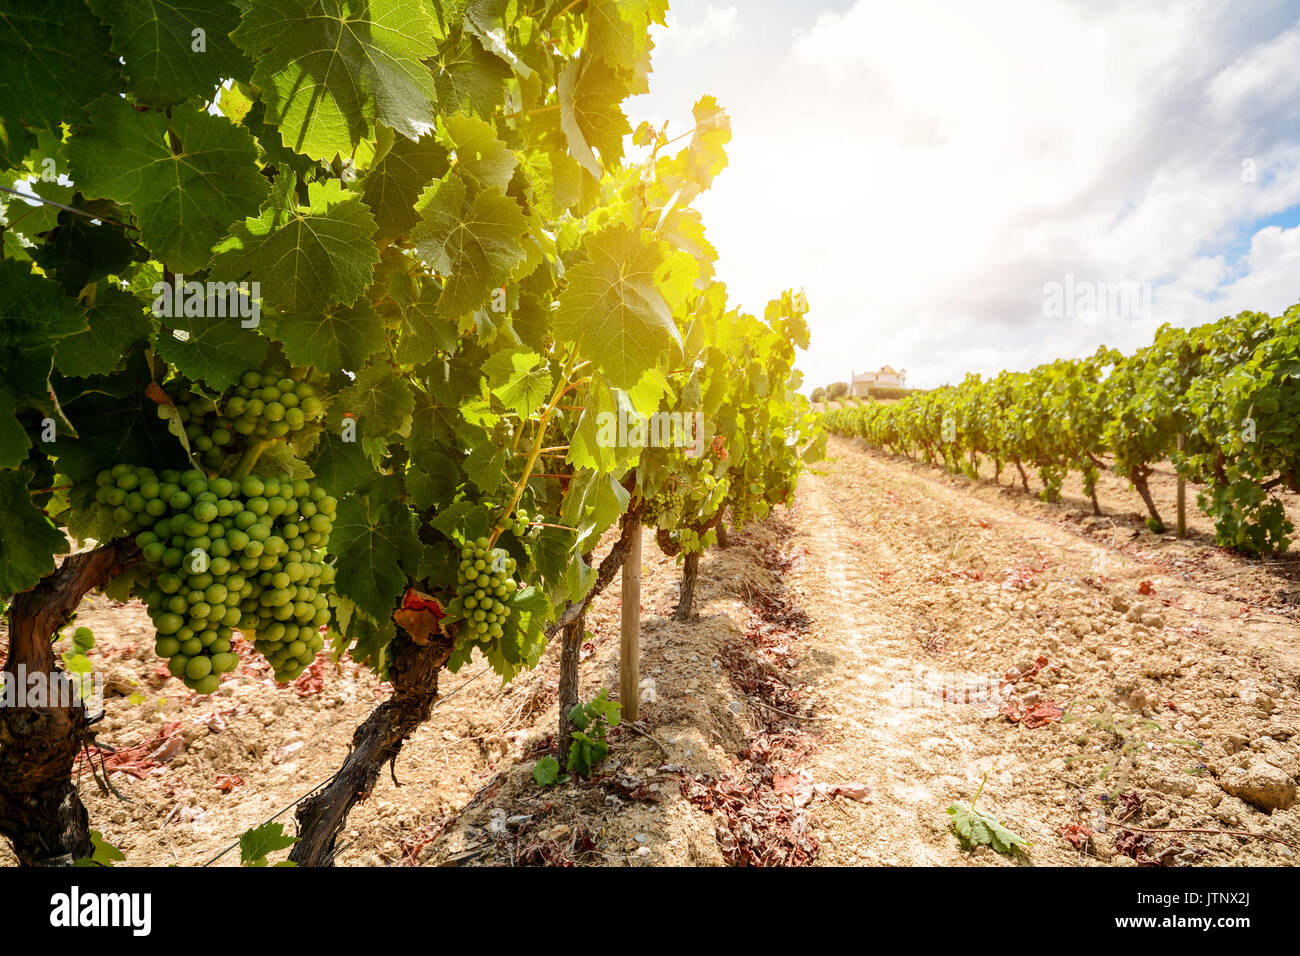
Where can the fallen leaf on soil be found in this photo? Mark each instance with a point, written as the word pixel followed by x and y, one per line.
pixel 634 788
pixel 1136 845
pixel 1129 802
pixel 797 786
pixel 143 757
pixel 1146 588
pixel 1039 715
pixel 227 782
pixel 1014 675
pixel 854 791
pixel 313 681
pixel 1076 834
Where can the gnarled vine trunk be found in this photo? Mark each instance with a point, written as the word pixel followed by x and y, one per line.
pixel 1024 479
pixel 1139 478
pixel 570 652
pixel 414 674
pixel 690 573
pixel 41 813
pixel 378 741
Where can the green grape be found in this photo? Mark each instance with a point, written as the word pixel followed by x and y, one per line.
pixel 202 538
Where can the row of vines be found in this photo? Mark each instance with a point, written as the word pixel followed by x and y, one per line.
pixel 346 326
pixel 1222 401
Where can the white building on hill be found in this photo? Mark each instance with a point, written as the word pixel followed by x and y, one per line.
pixel 859 382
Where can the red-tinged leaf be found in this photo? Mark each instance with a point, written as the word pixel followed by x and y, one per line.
pixel 1146 588
pixel 415 600
pixel 155 392
pixel 1076 834
pixel 421 622
pixel 1039 715
pixel 228 782
pixel 312 682
pixel 853 791
pixel 1137 846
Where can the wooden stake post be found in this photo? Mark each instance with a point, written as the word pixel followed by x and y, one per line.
pixel 629 662
pixel 1182 493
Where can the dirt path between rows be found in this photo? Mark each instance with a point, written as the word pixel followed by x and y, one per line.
pixel 925 591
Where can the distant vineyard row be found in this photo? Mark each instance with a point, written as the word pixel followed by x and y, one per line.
pixel 1230 389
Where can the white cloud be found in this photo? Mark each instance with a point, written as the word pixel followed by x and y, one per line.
pixel 714 28
pixel 922 169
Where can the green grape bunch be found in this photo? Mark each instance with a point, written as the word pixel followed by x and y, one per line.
pixel 221 554
pixel 271 405
pixel 263 405
pixel 210 434
pixel 484 582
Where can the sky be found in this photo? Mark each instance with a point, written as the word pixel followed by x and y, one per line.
pixel 931 172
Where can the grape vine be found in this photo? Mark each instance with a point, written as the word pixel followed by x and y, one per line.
pixel 1231 388
pixel 310 336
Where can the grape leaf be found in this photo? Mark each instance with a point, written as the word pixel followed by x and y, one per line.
pixel 215 349
pixel 976 828
pixel 31 219
pixel 156 41
pixel 556 179
pixel 474 243
pixel 462 521
pixel 586 450
pixel 257 844
pixel 329 70
pixel 184 201
pixel 546 771
pixel 482 159
pixel 485 466
pixel 590 113
pixel 518 381
pixel 486 19
pixel 79 251
pixel 34 315
pixel 593 505
pixel 343 338
pixel 382 404
pixel 521 647
pixel 578 576
pixel 613 309
pixel 429 482
pixel 306 257
pixel 117 319
pixel 396 180
pixel 619 32
pixel 54 59
pixel 15 142
pixel 115 421
pixel 423 330
pixel 468 77
pixel 28 539
pixel 374 538
pixel 341 467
